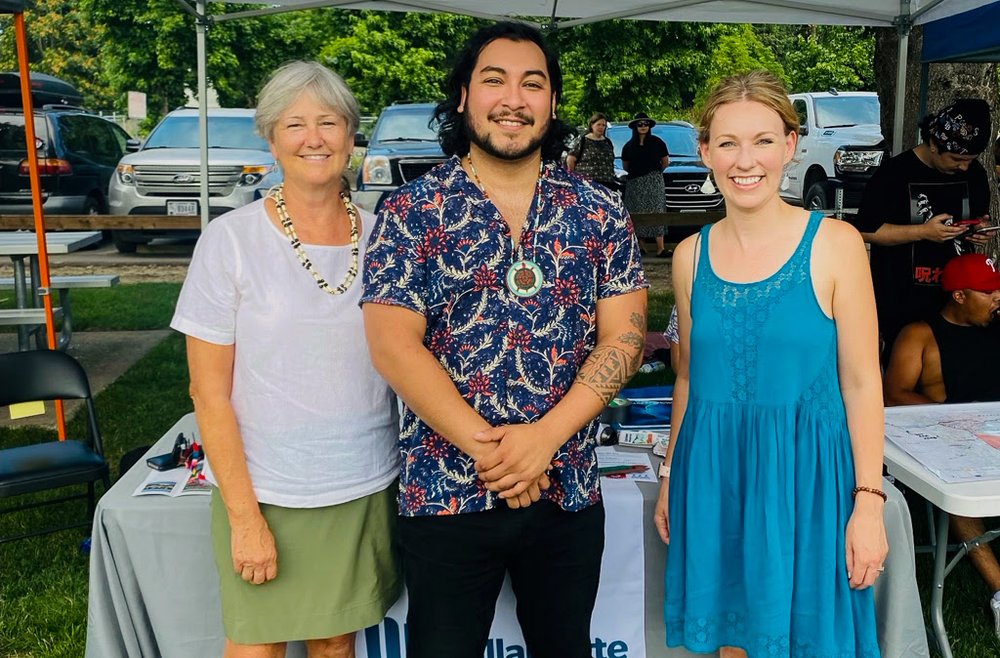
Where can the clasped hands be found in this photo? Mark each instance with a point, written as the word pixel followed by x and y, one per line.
pixel 514 462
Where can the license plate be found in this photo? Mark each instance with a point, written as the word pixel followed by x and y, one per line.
pixel 182 207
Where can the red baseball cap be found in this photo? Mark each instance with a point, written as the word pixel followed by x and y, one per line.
pixel 972 272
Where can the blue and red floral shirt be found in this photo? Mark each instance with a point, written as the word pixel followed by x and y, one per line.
pixel 441 248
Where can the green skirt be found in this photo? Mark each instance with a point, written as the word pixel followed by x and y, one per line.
pixel 337 571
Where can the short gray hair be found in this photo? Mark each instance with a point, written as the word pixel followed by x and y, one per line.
pixel 290 80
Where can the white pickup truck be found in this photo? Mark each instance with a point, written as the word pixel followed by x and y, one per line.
pixel 840 140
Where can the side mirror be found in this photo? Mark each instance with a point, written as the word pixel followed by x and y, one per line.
pixel 803 130
pixel 132 145
pixel 360 141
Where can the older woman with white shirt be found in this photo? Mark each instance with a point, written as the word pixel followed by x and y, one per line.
pixel 298 428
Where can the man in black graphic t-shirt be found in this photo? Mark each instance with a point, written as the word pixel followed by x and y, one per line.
pixel 911 209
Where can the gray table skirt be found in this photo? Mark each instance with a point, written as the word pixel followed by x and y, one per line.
pixel 154 588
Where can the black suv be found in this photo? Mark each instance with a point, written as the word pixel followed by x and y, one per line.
pixel 403 146
pixel 77 153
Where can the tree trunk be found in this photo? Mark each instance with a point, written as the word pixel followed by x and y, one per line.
pixel 886 56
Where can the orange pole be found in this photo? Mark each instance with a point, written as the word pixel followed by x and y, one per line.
pixel 36 198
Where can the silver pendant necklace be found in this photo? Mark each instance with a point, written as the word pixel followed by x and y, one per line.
pixel 524 276
pixel 276 194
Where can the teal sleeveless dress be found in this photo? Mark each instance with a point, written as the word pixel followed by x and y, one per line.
pixel 762 473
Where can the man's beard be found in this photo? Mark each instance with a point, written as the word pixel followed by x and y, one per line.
pixel 511 152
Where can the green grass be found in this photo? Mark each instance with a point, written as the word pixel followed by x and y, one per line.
pixel 43 581
pixel 134 306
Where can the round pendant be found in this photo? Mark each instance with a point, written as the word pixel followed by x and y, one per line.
pixel 524 278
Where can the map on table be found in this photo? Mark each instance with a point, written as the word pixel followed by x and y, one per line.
pixel 956 442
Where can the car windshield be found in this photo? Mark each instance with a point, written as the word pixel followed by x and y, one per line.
pixel 846 111
pixel 223 133
pixel 409 125
pixel 681 140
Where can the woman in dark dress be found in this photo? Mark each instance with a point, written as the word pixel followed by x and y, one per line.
pixel 645 157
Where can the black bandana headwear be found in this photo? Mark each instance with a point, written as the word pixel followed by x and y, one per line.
pixel 963 127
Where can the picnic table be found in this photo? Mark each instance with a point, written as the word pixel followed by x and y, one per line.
pixel 29 314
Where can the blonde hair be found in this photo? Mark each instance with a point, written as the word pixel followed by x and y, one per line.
pixel 760 86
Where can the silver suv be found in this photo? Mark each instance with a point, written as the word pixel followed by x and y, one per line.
pixel 162 176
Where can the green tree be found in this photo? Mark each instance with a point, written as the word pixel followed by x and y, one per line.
pixel 64 42
pixel 150 46
pixel 819 57
pixel 738 49
pixel 622 67
pixel 387 57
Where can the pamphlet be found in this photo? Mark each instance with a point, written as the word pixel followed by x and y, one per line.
pixel 175 482
pixel 625 465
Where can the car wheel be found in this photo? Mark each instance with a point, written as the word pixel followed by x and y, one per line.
pixel 92 206
pixel 816 197
pixel 123 246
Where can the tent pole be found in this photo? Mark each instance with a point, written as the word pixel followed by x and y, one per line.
pixel 42 284
pixel 201 25
pixel 903 27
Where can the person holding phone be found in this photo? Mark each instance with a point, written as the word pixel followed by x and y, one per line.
pixel 912 211
pixel 298 428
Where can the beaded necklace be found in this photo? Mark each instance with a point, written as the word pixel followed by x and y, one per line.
pixel 524 276
pixel 276 194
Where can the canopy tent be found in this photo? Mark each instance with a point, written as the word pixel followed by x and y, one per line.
pixel 901 14
pixel 16 7
pixel 971 36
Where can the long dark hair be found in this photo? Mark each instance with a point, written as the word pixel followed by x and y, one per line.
pixel 451 125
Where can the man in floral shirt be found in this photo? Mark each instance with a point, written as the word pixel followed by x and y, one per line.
pixel 505 303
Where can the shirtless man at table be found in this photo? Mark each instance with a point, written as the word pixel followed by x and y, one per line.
pixel 955 357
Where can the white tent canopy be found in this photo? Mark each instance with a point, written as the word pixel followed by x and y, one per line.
pixel 901 14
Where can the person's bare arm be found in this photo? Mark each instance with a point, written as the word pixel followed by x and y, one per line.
pixel 902 377
pixel 254 553
pixel 525 451
pixel 842 256
pixel 934 230
pixel 683 264
pixel 571 161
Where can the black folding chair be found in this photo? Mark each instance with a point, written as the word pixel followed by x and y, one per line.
pixel 49 375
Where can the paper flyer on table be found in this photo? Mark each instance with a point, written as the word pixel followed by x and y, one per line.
pixel 958 443
pixel 608 457
pixel 175 482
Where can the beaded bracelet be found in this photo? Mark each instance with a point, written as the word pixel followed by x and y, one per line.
pixel 871 490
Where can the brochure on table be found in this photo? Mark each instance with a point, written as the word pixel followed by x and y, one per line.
pixel 175 482
pixel 956 442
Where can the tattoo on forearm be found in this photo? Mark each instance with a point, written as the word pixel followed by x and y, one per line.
pixel 605 371
pixel 633 339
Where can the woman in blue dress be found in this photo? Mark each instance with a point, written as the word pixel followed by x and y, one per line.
pixel 773 512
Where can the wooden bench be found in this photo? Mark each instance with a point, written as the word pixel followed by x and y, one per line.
pixel 35 317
